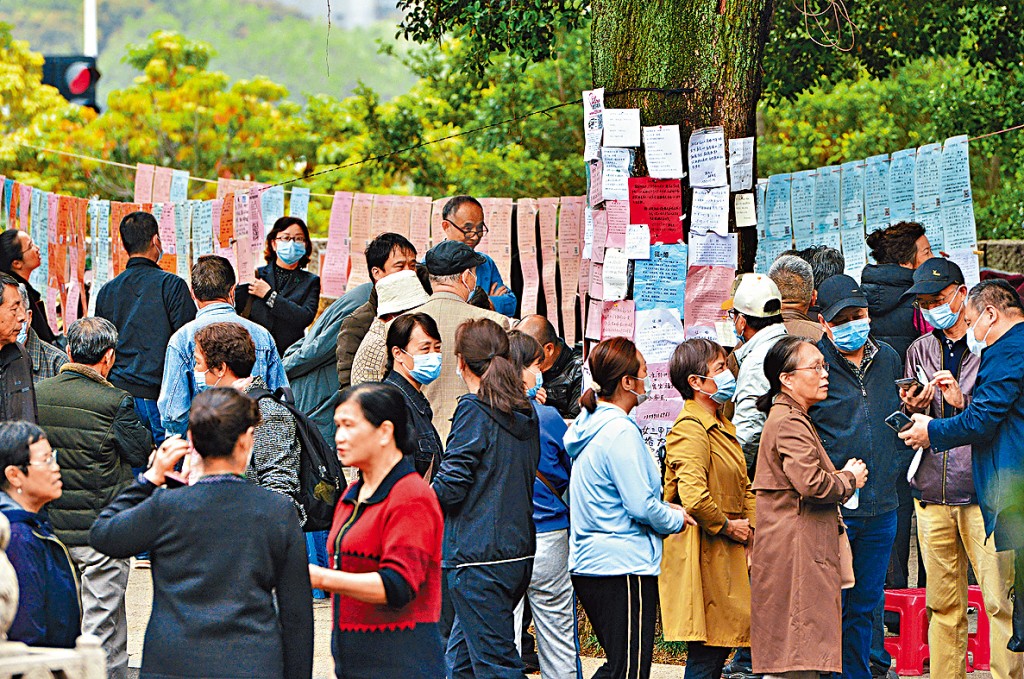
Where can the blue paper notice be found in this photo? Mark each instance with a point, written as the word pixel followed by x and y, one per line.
pixel 956 172
pixel 855 252
pixel 272 205
pixel 876 193
pixel 660 282
pixel 299 205
pixel 802 201
pixel 780 220
pixel 826 199
pixel 928 178
pixel 179 186
pixel 958 227
pixel 902 169
pixel 933 229
pixel 852 198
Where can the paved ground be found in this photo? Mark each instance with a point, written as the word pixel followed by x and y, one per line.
pixel 139 600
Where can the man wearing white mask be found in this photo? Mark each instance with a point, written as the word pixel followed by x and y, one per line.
pixel 862 393
pixel 992 422
pixel 950 527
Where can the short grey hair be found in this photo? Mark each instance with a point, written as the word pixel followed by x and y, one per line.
pixel 447 279
pixel 794 277
pixel 995 292
pixel 90 338
pixel 24 297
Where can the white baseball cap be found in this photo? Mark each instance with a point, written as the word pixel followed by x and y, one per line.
pixel 755 295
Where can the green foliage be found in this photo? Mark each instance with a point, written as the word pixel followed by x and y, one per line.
pixel 925 101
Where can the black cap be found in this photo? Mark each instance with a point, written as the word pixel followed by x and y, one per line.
pixel 451 257
pixel 837 293
pixel 934 276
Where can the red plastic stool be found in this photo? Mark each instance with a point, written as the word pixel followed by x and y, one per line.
pixel 910 648
pixel 978 648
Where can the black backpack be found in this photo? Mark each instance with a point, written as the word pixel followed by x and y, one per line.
pixel 321 480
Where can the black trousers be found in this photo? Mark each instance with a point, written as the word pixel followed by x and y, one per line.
pixel 623 610
pixel 705 662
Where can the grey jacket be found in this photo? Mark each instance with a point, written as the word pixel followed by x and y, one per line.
pixel 945 476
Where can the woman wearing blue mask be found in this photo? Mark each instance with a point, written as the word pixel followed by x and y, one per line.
pixel 705 472
pixel 284 297
pixel 414 360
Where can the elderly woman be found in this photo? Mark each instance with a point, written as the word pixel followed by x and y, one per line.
pixel 229 558
pixel 795 576
pixel 385 546
pixel 48 602
pixel 705 591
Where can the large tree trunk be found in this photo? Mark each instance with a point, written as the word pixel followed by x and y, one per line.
pixel 713 46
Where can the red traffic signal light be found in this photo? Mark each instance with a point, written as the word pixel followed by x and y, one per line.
pixel 74 77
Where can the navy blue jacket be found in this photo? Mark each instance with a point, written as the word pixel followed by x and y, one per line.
pixel 892 318
pixel 993 425
pixel 294 308
pixel 851 424
pixel 147 305
pixel 49 610
pixel 550 513
pixel 485 485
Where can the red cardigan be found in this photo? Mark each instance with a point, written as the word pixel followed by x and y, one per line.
pixel 395 532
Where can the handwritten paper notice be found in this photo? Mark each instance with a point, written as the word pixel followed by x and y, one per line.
pixel 272 205
pixel 616 274
pixel 660 281
pixel 595 183
pixel 827 185
pixel 876 193
pixel 298 206
pixel 202 228
pixel 594 317
pixel 956 172
pixel 144 183
pixel 656 419
pixel 707 287
pixel 597 280
pixel 617 212
pixel 179 186
pixel 741 164
pixel 707 157
pixel 548 221
pixel 588 233
pixel 569 255
pixel 526 226
pixel 663 152
pixel 419 223
pixel 852 198
pixel 657 333
pixel 661 382
pixel 746 211
pixel 968 263
pixel 183 237
pixel 713 249
pixel 802 207
pixel 618 319
pixel 710 211
pixel 362 211
pixel 934 227
pixel 780 223
pixel 659 204
pixel 638 241
pixel 162 184
pixel 902 170
pixel 928 178
pixel 600 218
pixel 855 252
pixel 593 123
pixel 622 127
pixel 617 164
pixel 958 227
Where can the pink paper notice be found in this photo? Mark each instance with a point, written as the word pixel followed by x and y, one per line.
pixel 618 221
pixel 594 319
pixel 498 241
pixel 419 224
pixel 569 261
pixel 362 210
pixel 144 183
pixel 600 234
pixel 436 232
pixel 706 288
pixel 549 254
pixel 526 223
pixel 618 319
pixel 161 184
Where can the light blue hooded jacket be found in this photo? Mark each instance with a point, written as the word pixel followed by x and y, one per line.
pixel 618 517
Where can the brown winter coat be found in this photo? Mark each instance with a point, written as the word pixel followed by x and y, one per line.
pixel 705 590
pixel 796 620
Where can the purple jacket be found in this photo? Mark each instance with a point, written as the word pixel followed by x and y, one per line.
pixel 944 477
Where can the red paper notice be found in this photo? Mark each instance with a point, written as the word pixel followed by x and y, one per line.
pixel 659 204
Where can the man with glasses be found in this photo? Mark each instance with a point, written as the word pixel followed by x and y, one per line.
pixel 862 393
pixel 17 394
pixel 100 438
pixel 19 257
pixel 463 221
pixel 950 528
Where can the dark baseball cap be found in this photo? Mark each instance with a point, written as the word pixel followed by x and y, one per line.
pixel 935 275
pixel 837 293
pixel 451 257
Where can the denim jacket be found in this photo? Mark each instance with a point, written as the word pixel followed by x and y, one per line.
pixel 179 384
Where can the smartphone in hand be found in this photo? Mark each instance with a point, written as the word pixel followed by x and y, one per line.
pixel 899 421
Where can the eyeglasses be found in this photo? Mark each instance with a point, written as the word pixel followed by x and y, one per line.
pixel 821 369
pixel 291 239
pixel 49 461
pixel 732 314
pixel 931 305
pixel 475 231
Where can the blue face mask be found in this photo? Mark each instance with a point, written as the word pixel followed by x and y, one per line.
pixel 851 336
pixel 942 317
pixel 425 367
pixel 290 252
pixel 23 333
pixel 725 382
pixel 532 391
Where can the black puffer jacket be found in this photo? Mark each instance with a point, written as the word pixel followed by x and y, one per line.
pixel 563 381
pixel 892 321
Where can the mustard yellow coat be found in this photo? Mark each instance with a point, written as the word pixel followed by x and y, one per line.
pixel 705 590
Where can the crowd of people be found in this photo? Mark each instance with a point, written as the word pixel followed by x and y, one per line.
pixel 490 486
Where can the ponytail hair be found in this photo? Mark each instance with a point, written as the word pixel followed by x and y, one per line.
pixel 609 362
pixel 781 358
pixel 483 345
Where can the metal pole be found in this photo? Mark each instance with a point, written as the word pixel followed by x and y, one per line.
pixel 91 47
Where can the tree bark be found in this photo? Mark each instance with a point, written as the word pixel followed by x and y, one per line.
pixel 713 46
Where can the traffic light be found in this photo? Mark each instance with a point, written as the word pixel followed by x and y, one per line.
pixel 74 77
